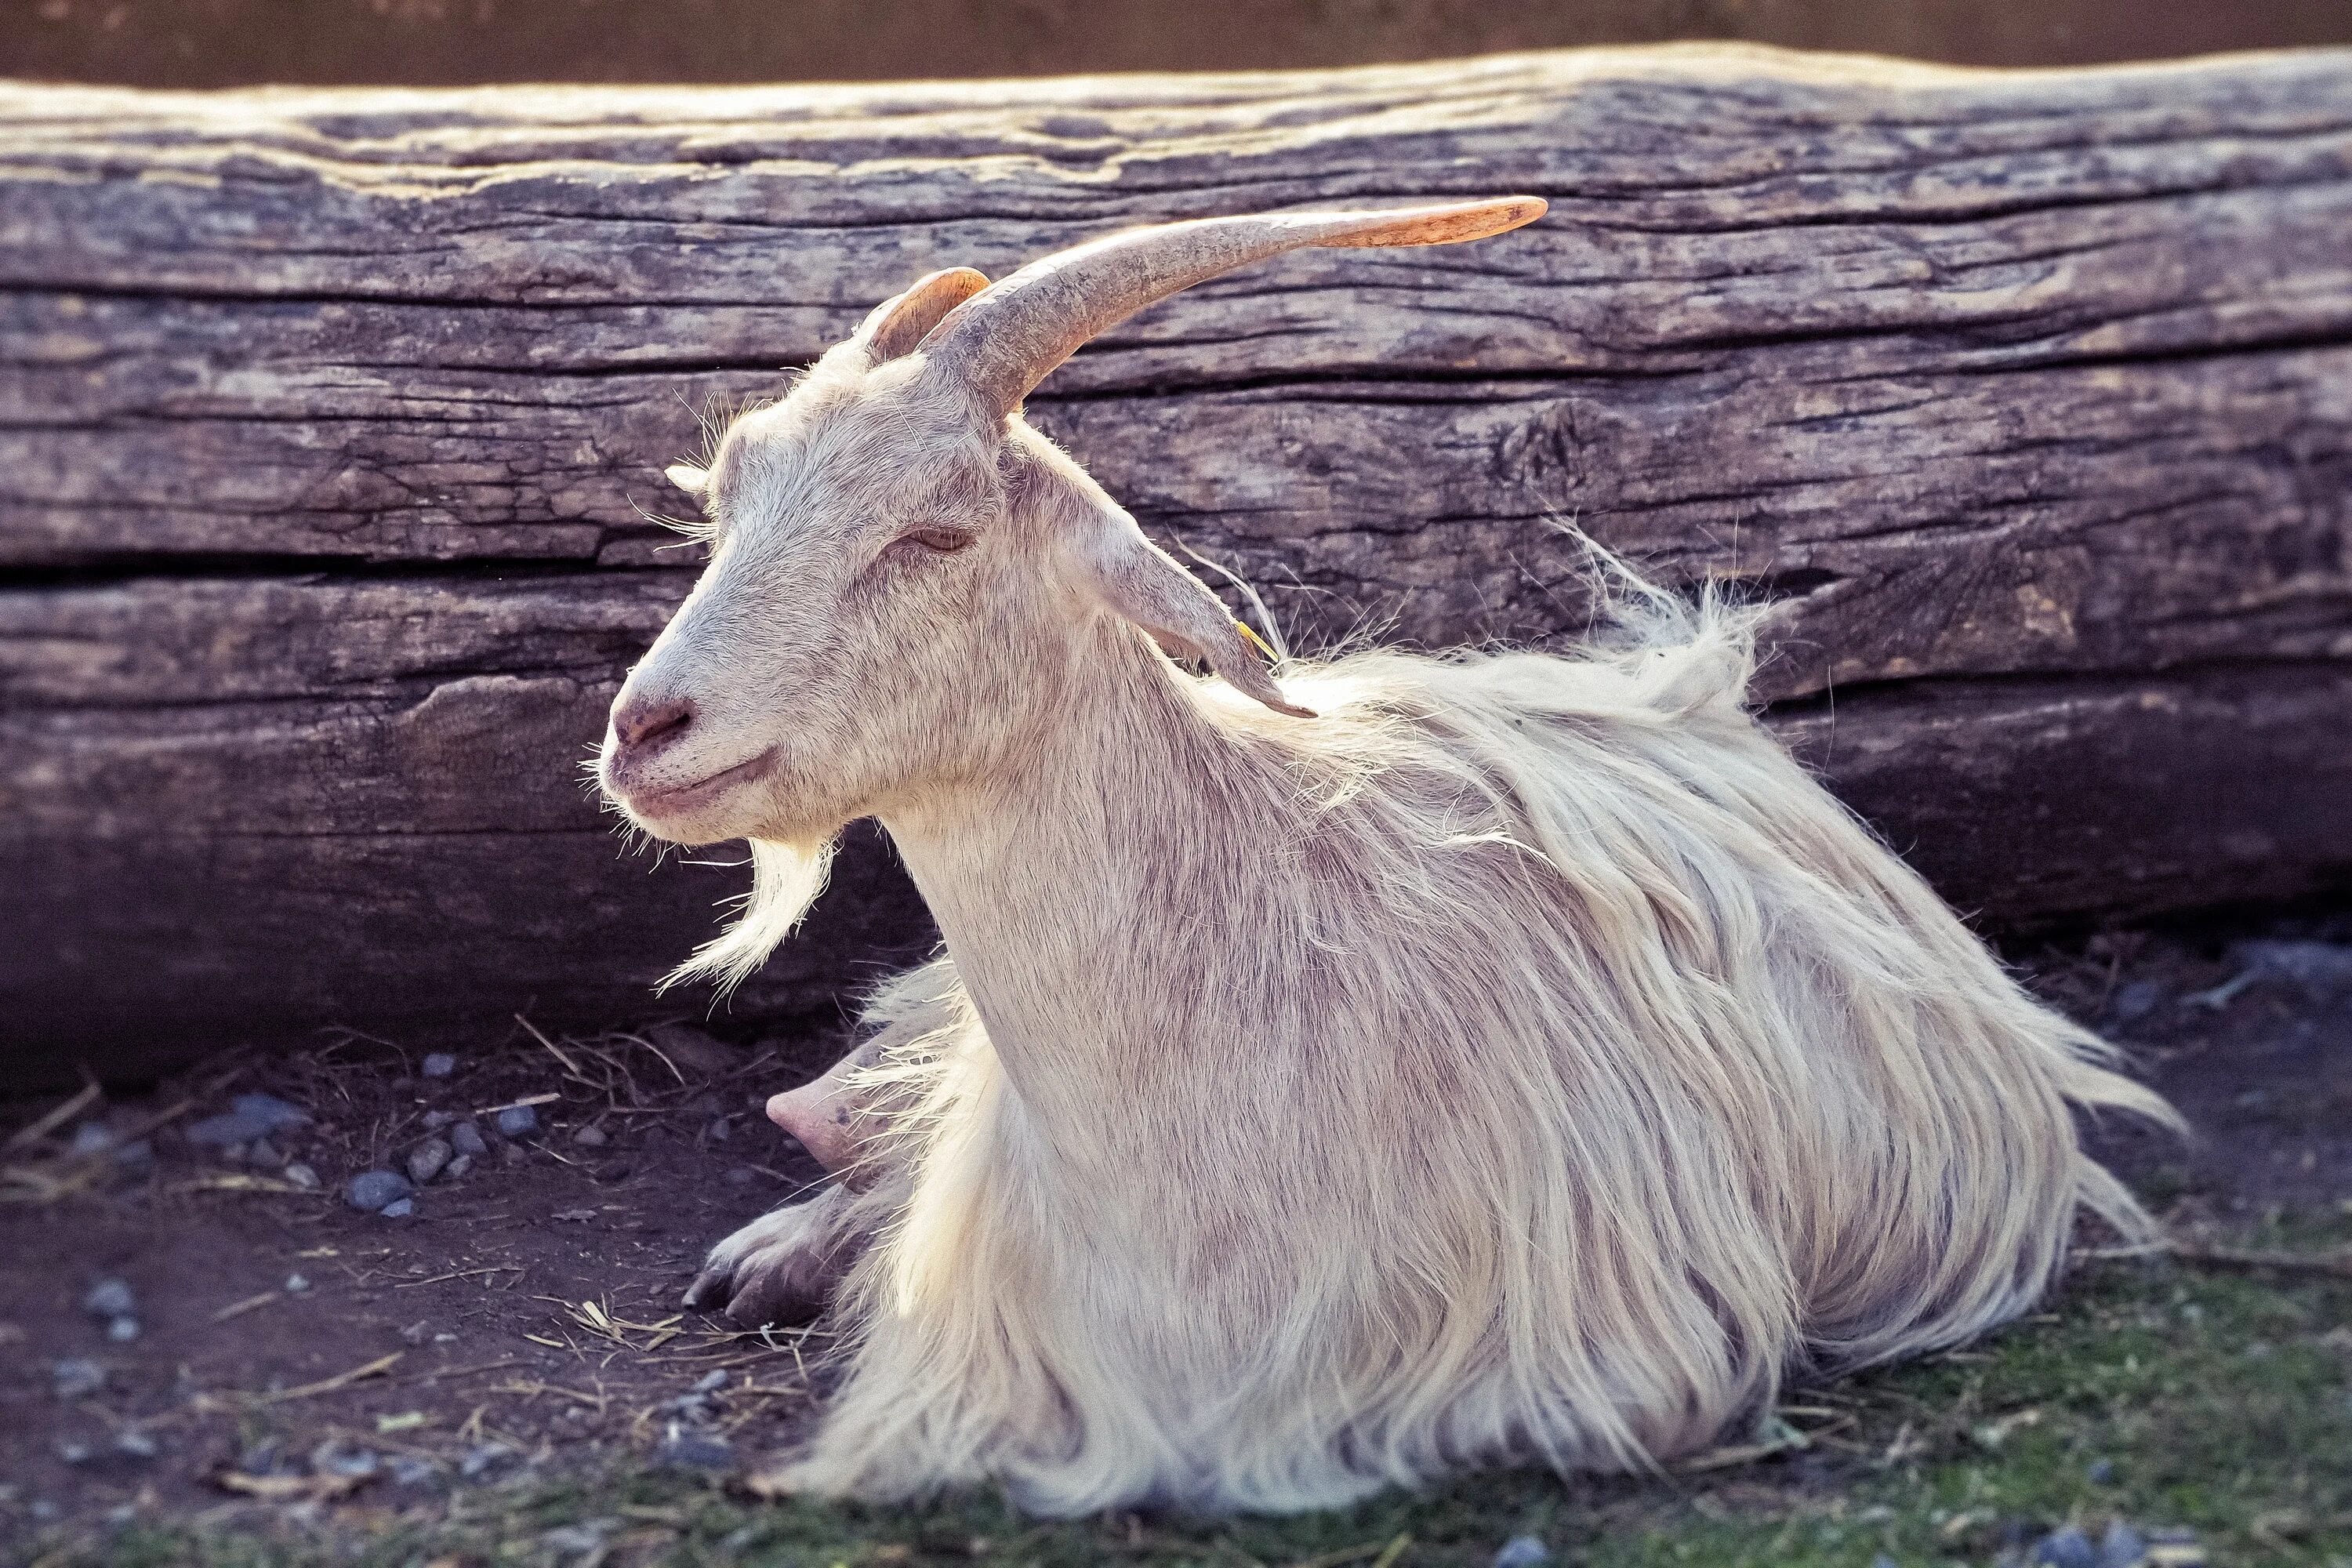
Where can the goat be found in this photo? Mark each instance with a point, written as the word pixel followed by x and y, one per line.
pixel 1337 1074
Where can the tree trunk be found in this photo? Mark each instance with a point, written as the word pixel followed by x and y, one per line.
pixel 328 420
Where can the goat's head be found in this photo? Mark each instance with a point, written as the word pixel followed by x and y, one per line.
pixel 897 560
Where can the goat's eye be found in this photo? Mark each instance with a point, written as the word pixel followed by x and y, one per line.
pixel 939 541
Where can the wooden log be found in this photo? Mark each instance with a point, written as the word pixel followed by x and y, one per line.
pixel 329 423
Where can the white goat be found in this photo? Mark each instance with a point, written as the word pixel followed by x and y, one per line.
pixel 1432 1062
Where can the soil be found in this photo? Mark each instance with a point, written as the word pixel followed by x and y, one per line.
pixel 525 1315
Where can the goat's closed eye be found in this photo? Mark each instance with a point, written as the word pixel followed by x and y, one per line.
pixel 940 541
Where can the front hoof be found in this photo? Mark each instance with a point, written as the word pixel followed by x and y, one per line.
pixel 782 1267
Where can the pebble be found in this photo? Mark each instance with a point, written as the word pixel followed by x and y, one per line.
pixel 136 1444
pixel 407 1471
pixel 686 1450
pixel 302 1176
pixel 250 1115
pixel 693 1050
pixel 511 1154
pixel 109 1298
pixel 2066 1547
pixel 741 1176
pixel 436 1119
pixel 719 1130
pixel 517 1120
pixel 466 1137
pixel 2137 1000
pixel 578 1539
pixel 76 1376
pixel 122 1330
pixel 330 1458
pixel 264 1155
pixel 399 1209
pixel 232 1154
pixel 459 1167
pixel 73 1453
pixel 591 1137
pixel 427 1160
pixel 90 1138
pixel 482 1458
pixel 2100 1472
pixel 295 1285
pixel 710 1382
pixel 1523 1552
pixel 439 1064
pixel 138 1153
pixel 2122 1547
pixel 370 1191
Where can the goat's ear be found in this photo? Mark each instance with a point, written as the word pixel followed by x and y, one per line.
pixel 1143 582
pixel 694 481
pixel 896 325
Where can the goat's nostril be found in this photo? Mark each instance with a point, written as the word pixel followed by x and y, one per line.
pixel 640 724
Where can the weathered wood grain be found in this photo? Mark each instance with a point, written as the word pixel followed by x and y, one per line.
pixel 328 422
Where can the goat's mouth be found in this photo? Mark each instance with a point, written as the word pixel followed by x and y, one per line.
pixel 676 800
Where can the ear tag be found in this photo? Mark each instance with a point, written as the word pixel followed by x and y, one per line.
pixel 1254 641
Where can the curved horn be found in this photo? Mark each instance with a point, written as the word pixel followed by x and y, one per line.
pixel 1003 341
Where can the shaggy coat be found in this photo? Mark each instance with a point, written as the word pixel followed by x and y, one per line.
pixel 1521 1059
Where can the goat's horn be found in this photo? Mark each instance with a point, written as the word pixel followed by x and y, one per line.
pixel 1003 341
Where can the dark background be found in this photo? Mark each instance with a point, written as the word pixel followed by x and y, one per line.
pixel 233 43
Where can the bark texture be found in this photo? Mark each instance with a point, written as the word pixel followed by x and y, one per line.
pixel 328 420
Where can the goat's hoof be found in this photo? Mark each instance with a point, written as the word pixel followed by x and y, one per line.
pixel 782 1267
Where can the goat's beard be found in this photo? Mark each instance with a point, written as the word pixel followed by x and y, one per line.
pixel 786 877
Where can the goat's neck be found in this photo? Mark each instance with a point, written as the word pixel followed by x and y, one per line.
pixel 1086 885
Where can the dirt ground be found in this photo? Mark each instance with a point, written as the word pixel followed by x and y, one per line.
pixel 288 1350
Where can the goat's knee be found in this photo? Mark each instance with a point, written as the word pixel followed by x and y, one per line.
pixel 829 1116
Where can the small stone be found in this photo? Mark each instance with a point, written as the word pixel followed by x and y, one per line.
pixel 741 1176
pixel 407 1471
pixel 511 1154
pixel 719 1130
pixel 2137 1000
pixel 688 1450
pixel 2100 1472
pixel 370 1191
pixel 466 1137
pixel 1884 1561
pixel 439 1064
pixel 264 1155
pixel 401 1208
pixel 482 1458
pixel 710 1382
pixel 517 1120
pixel 123 1330
pixel 73 1453
pixel 591 1137
pixel 232 1154
pixel 458 1167
pixel 138 1153
pixel 1523 1552
pixel 436 1119
pixel 2065 1547
pixel 76 1376
pixel 302 1176
pixel 427 1160
pixel 692 1050
pixel 250 1115
pixel 90 1138
pixel 331 1459
pixel 295 1285
pixel 109 1298
pixel 2122 1547
pixel 136 1444
pixel 578 1539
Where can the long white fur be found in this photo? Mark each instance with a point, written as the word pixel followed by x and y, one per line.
pixel 1524 1060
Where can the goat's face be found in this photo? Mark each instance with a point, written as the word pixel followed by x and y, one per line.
pixel 855 630
pixel 898 563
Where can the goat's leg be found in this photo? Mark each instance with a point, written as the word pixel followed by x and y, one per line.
pixel 783 1267
pixel 829 1115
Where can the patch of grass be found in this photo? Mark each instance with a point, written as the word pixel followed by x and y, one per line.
pixel 2168 1396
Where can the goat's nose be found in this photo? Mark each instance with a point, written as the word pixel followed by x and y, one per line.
pixel 643 722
